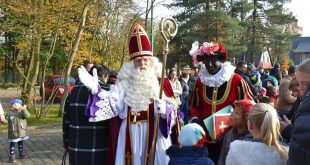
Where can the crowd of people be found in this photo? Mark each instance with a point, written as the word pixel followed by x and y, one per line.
pixel 140 117
pixel 128 122
pixel 125 120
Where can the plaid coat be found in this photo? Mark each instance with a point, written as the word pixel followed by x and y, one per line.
pixel 86 142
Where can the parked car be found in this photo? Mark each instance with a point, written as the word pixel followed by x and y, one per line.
pixel 56 83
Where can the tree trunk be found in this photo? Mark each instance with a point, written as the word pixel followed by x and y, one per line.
pixel 253 40
pixel 8 60
pixel 146 14
pixel 33 70
pixel 28 74
pixel 73 54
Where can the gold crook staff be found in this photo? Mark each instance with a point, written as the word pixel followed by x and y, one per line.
pixel 168 29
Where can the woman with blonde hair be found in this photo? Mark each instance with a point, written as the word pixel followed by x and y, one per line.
pixel 264 148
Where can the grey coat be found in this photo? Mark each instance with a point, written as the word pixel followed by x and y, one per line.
pixel 17 123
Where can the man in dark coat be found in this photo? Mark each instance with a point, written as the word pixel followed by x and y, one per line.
pixel 241 70
pixel 86 142
pixel 299 152
pixel 185 95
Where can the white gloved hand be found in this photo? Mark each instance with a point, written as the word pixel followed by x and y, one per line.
pixel 89 81
pixel 160 106
pixel 24 107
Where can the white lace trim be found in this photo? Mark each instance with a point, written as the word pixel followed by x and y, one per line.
pixel 107 107
pixel 219 78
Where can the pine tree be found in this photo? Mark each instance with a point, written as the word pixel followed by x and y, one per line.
pixel 242 26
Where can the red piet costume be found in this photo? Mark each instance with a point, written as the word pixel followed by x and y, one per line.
pixel 212 92
pixel 207 100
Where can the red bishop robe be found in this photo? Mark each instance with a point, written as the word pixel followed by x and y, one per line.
pixel 115 124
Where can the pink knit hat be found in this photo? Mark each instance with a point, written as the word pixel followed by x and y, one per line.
pixel 263 91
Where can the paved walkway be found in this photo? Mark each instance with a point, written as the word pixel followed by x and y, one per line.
pixel 43 148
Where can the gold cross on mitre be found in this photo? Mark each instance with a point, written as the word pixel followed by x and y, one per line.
pixel 137 30
pixel 135 114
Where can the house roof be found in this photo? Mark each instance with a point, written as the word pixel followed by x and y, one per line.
pixel 265 61
pixel 265 65
pixel 301 45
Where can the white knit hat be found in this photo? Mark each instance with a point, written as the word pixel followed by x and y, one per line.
pixel 191 134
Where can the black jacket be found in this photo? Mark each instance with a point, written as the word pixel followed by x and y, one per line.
pixel 291 115
pixel 188 155
pixel 248 81
pixel 87 142
pixel 299 152
pixel 185 89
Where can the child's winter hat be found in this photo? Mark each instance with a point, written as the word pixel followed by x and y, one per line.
pixel 263 91
pixel 192 135
pixel 16 101
pixel 245 105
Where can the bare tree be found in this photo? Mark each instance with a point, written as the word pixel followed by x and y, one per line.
pixel 73 54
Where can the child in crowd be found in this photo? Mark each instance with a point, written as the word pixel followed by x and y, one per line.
pixel 264 148
pixel 191 151
pixel 272 93
pixel 262 93
pixel 265 99
pixel 17 127
pixel 293 86
pixel 239 131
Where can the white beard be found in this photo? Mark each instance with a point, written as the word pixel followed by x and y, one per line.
pixel 139 85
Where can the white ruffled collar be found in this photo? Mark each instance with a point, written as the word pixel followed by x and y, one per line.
pixel 219 78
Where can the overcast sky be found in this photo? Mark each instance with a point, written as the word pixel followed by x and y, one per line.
pixel 300 9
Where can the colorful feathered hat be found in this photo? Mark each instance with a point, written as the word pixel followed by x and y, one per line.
pixel 192 135
pixel 139 43
pixel 207 49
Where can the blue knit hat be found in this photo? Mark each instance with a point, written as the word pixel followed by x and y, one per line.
pixel 275 71
pixel 16 101
pixel 191 134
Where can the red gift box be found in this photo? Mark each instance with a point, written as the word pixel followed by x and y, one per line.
pixel 221 125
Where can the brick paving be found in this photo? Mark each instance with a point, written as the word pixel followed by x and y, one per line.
pixel 43 148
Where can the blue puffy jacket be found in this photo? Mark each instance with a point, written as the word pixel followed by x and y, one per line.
pixel 188 156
